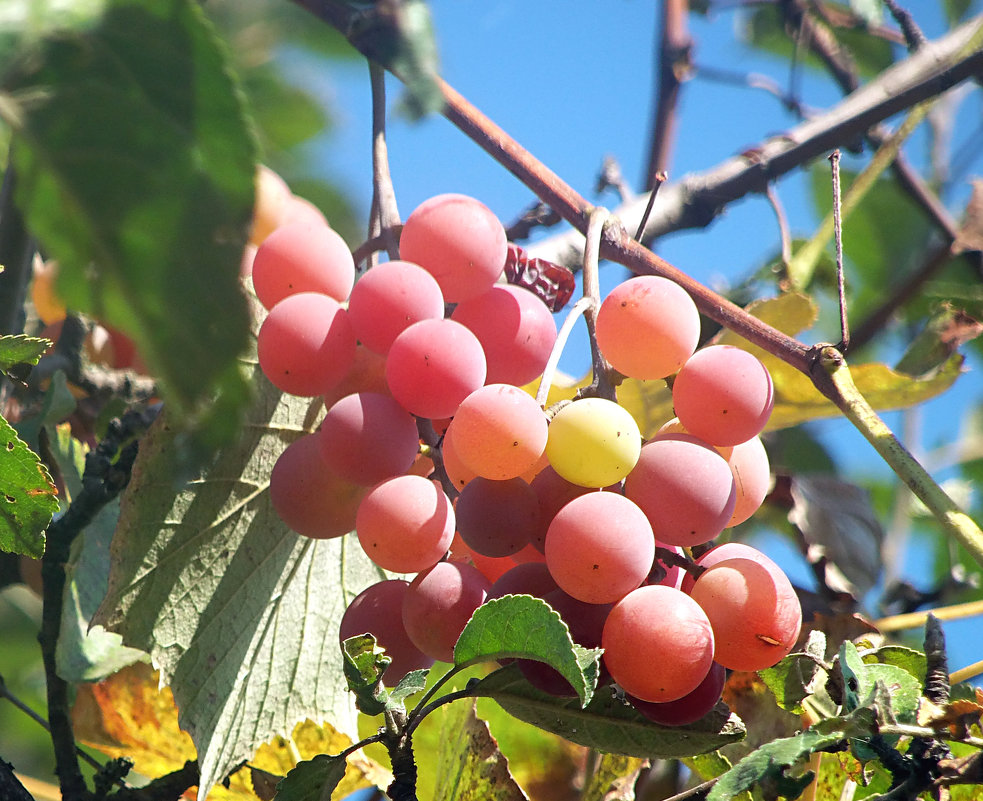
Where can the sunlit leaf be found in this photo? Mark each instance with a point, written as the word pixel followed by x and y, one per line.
pixel 135 169
pixel 27 496
pixel 470 767
pixel 521 626
pixel 614 778
pixel 19 350
pixel 240 614
pixel 127 715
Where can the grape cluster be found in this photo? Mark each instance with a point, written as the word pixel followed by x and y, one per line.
pixel 570 506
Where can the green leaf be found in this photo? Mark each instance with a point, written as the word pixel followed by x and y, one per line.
pixel 908 659
pixel 135 170
pixel 769 762
pixel 792 680
pixel 413 682
pixel 24 22
pixel 613 778
pixel 862 681
pixel 945 330
pixel 58 404
pixel 313 780
pixel 470 766
pixel 399 36
pixel 364 664
pixel 18 351
pixel 240 614
pixel 607 723
pixel 524 627
pixel 28 497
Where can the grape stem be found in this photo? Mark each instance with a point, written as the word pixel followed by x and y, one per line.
pixel 832 377
pixel 578 308
pixel 914 620
pixel 384 217
pixel 601 385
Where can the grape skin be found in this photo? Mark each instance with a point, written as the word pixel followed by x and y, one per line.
pixel 433 366
pixel 497 518
pixel 647 327
pixel 593 442
pixel 587 559
pixel 459 241
pixel 658 643
pixel 754 611
pixel 439 604
pixel 691 707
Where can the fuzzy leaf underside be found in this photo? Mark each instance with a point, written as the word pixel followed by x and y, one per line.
pixel 239 613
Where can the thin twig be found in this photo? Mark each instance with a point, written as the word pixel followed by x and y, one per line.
pixel 385 214
pixel 968 672
pixel 657 182
pixel 601 385
pixel 834 162
pixel 914 38
pixel 753 80
pixel 578 308
pixel 784 233
pixel 914 620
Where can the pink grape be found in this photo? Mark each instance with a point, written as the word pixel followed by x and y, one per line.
pixel 685 489
pixel 302 257
pixel 691 707
pixel 439 604
pixel 499 431
pixel 306 345
pixel 375 611
pixel 658 643
pixel 647 327
pixel 723 395
pixel 367 437
pixel 491 567
pixel 752 477
pixel 433 366
pixel 728 550
pixel 600 547
pixel 459 241
pixel 308 497
pixel 516 330
pixel 754 611
pixel 554 492
pixel 457 472
pixel 388 299
pixel 405 524
pixel 497 518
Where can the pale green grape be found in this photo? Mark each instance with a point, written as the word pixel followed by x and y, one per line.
pixel 593 442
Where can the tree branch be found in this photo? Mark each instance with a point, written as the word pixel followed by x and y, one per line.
pixel 695 200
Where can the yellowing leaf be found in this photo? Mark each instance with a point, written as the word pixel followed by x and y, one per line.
pixel 128 716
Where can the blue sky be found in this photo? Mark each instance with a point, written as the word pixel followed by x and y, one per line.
pixel 573 83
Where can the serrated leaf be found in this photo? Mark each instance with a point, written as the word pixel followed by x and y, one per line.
pixel 20 350
pixel 521 626
pixel 908 659
pixel 470 766
pixel 364 663
pixel 607 723
pixel 792 680
pixel 769 761
pixel 413 682
pixel 240 614
pixel 313 780
pixel 135 169
pixel 28 497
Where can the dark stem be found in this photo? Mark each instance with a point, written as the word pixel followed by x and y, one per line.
pixel 16 256
pixel 166 788
pixel 675 50
pixel 657 182
pixel 937 664
pixel 10 787
pixel 914 38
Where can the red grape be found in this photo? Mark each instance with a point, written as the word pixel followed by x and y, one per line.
pixel 658 643
pixel 754 612
pixel 306 345
pixel 459 241
pixel 439 604
pixel 600 547
pixel 752 477
pixel 685 489
pixel 405 524
pixel 388 299
pixel 302 257
pixel 691 707
pixel 723 395
pixel 308 497
pixel 367 437
pixel 434 365
pixel 375 611
pixel 497 518
pixel 515 329
pixel 499 431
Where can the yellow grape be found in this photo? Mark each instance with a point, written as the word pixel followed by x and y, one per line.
pixel 593 442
